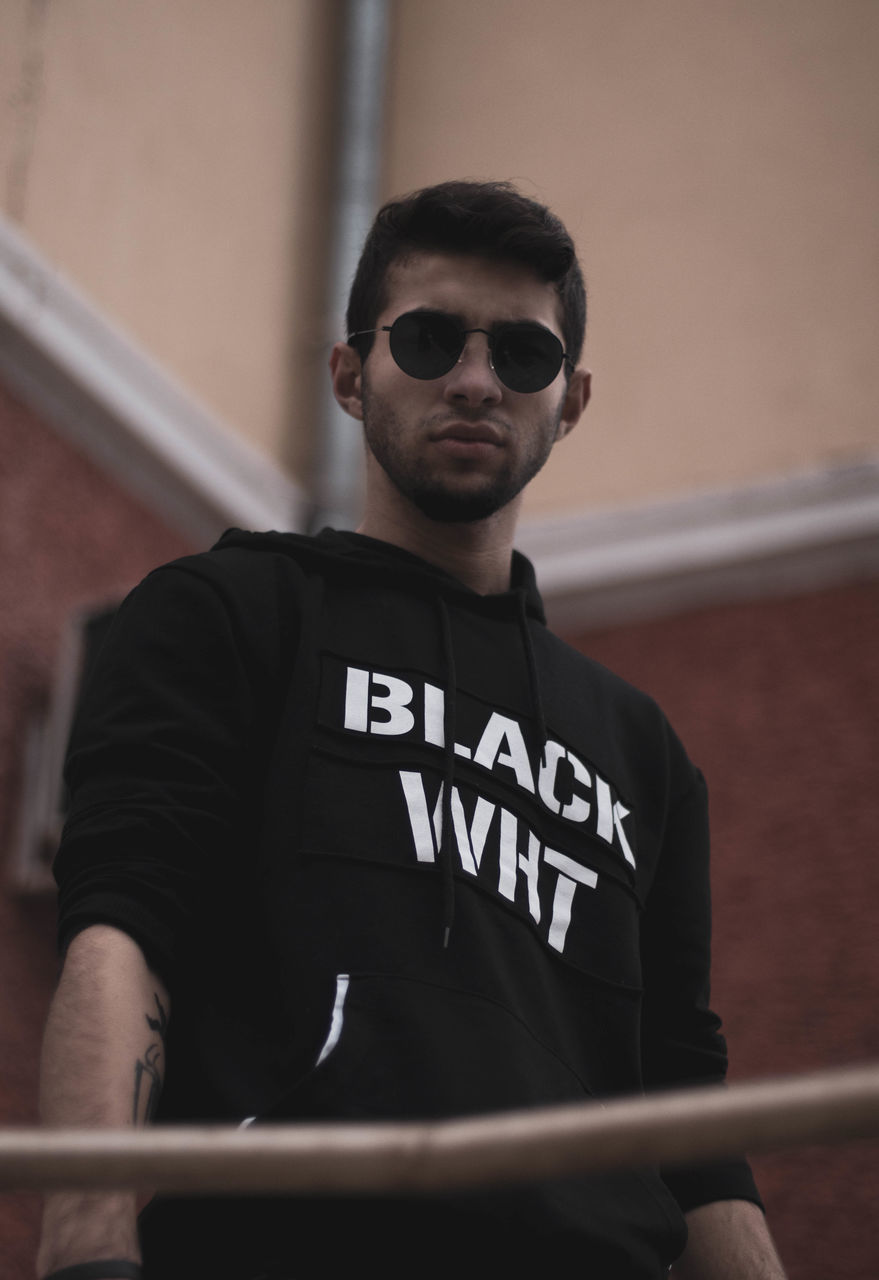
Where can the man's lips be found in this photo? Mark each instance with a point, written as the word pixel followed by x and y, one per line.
pixel 469 433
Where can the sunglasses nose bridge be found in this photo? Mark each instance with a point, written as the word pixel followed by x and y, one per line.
pixel 466 335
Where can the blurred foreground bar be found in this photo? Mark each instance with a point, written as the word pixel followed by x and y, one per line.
pixel 679 1127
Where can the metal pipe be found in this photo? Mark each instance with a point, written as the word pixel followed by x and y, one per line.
pixel 679 1127
pixel 338 473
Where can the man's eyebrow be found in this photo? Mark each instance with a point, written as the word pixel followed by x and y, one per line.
pixel 539 324
pixel 456 315
pixel 432 311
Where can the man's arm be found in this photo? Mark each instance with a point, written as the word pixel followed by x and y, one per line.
pixel 729 1240
pixel 102 1065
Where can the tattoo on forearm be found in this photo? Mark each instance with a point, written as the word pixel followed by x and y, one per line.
pixel 148 1069
pixel 160 1023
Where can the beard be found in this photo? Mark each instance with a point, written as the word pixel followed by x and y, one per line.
pixel 444 497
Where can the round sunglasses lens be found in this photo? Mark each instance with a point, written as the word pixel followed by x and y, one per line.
pixel 526 358
pixel 425 345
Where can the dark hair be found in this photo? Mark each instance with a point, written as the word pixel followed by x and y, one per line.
pixel 487 219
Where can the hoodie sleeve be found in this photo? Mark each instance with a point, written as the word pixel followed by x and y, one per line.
pixel 159 765
pixel 682 1045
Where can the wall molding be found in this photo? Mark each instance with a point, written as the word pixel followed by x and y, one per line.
pixel 800 532
pixel 87 379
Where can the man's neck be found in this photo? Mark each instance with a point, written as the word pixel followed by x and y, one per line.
pixel 478 553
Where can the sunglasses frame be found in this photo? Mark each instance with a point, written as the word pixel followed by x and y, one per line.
pixel 493 334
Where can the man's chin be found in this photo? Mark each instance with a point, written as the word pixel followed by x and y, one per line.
pixel 459 508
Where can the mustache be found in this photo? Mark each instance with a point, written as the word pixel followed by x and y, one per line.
pixel 469 417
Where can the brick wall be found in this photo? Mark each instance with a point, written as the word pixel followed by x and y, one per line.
pixel 777 701
pixel 68 538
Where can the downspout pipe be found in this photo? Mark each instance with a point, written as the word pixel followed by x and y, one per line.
pixel 337 485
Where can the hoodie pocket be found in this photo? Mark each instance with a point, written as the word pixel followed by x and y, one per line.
pixel 397 1048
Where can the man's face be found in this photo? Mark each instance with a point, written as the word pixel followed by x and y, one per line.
pixel 461 446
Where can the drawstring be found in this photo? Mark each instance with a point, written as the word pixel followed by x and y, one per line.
pixel 533 681
pixel 445 853
pixel 445 850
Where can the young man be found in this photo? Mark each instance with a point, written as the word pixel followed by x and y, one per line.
pixel 353 836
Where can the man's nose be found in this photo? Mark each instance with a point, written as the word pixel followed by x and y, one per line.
pixel 472 378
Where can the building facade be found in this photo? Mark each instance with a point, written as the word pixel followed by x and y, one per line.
pixel 172 241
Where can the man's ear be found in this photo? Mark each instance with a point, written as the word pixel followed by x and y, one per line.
pixel 576 400
pixel 346 372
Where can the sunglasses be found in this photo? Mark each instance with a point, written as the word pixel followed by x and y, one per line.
pixel 428 344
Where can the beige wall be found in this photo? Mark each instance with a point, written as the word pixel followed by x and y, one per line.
pixel 716 162
pixel 162 154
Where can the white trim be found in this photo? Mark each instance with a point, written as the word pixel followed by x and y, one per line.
pixel 74 367
pixel 34 837
pixel 40 815
pixel 799 533
pixel 337 1019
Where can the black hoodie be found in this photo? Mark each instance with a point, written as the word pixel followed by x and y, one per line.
pixel 397 851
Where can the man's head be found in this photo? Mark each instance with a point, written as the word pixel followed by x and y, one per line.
pixel 466 320
pixel 488 220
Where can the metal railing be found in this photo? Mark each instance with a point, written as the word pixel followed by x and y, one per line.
pixel 678 1127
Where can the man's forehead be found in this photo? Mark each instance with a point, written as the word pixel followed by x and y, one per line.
pixel 472 286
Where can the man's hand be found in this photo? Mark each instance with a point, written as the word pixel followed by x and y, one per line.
pixel 102 1065
pixel 729 1240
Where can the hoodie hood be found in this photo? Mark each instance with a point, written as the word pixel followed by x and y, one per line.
pixel 360 553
